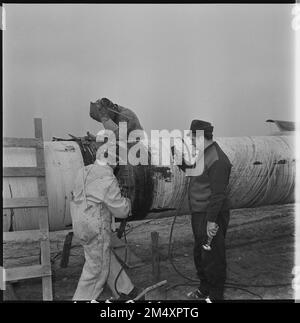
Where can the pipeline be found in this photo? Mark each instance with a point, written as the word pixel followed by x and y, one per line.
pixel 263 173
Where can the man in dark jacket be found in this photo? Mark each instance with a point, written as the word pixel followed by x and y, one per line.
pixel 210 215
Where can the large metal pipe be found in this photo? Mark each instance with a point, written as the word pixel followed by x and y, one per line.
pixel 263 173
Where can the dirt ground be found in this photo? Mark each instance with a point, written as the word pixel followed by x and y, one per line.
pixel 260 252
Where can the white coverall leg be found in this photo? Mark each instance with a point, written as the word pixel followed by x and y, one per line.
pixel 124 284
pixel 94 276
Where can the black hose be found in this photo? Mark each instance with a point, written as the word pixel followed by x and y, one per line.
pixel 122 268
pixel 170 242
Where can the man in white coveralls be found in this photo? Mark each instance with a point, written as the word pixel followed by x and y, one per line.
pixel 96 199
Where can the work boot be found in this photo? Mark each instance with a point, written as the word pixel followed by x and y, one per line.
pixel 208 300
pixel 133 294
pixel 216 293
pixel 197 295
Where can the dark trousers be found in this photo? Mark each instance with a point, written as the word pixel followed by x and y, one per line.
pixel 210 265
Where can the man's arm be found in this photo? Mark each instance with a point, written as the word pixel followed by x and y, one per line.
pixel 182 165
pixel 118 205
pixel 218 177
pixel 107 190
pixel 100 113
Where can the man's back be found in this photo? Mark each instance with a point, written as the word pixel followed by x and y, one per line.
pixel 97 184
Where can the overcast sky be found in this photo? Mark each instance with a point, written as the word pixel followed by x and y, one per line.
pixel 231 65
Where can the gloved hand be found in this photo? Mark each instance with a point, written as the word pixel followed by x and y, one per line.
pixel 127 193
pixel 98 111
pixel 89 136
pixel 124 190
pixel 183 165
pixel 211 229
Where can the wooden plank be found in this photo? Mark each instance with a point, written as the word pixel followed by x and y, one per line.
pixel 66 250
pixel 155 256
pixel 40 159
pixel 45 255
pixel 23 142
pixel 25 202
pixel 25 236
pixel 43 219
pixel 9 293
pixel 27 272
pixel 38 128
pixel 24 172
pixel 42 235
pixel 47 288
